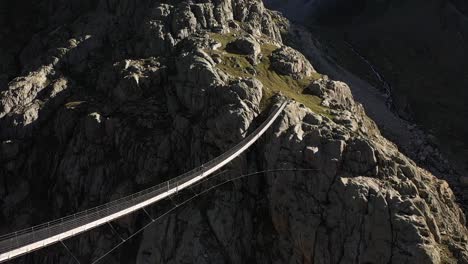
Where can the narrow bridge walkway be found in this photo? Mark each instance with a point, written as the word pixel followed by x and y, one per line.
pixel 31 239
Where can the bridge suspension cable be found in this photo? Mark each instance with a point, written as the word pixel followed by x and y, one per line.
pixel 188 200
pixel 31 239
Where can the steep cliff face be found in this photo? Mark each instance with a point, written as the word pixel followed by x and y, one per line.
pixel 417 47
pixel 131 93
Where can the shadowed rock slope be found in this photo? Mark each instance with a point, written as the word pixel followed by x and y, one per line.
pixel 129 94
pixel 415 51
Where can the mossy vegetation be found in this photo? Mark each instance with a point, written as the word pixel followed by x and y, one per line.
pixel 238 65
pixel 224 39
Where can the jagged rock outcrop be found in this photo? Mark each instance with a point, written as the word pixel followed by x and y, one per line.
pixel 365 201
pixel 246 45
pixel 134 93
pixel 337 95
pixel 288 61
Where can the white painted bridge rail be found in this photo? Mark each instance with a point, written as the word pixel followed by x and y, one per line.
pixel 31 239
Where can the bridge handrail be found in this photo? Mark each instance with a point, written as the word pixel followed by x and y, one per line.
pixel 26 236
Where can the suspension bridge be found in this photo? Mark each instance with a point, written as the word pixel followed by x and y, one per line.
pixel 28 240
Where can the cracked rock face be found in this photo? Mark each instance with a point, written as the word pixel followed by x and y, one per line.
pixel 129 94
pixel 361 202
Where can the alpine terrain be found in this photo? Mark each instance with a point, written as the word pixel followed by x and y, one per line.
pixel 102 99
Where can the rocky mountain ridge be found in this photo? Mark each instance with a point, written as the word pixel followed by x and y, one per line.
pixel 419 49
pixel 131 94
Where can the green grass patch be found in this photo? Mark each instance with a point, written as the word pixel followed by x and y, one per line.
pixel 224 39
pixel 238 66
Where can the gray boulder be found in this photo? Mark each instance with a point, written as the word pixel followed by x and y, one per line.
pixel 245 45
pixel 288 61
pixel 336 94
